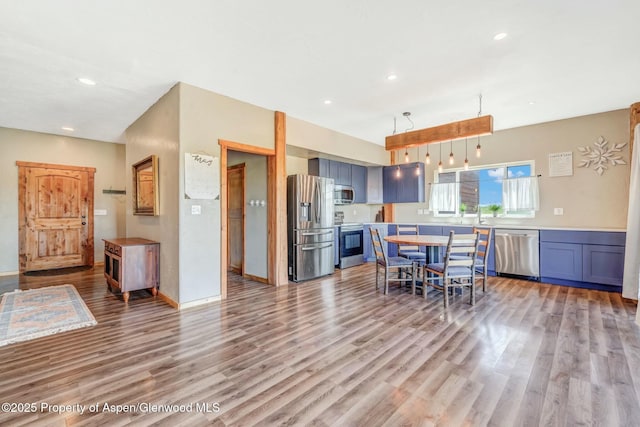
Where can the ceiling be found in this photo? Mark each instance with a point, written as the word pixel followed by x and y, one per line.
pixel 560 59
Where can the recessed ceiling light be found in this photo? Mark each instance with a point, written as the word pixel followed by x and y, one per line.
pixel 500 36
pixel 392 77
pixel 532 102
pixel 327 101
pixel 86 81
pixel 68 128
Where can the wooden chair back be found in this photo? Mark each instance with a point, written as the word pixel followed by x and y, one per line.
pixel 407 230
pixel 461 244
pixel 484 235
pixel 378 247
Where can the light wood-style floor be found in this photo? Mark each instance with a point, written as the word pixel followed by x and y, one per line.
pixel 334 352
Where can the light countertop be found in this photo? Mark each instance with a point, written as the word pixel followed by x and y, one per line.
pixel 509 226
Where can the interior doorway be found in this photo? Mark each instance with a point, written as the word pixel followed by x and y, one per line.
pixel 55 216
pixel 236 218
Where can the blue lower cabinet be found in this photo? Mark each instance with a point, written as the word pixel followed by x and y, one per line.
pixel 336 245
pixel 561 261
pixel 603 264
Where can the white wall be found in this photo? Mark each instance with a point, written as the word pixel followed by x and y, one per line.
pixel 107 158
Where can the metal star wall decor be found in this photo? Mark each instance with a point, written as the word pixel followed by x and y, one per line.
pixel 601 155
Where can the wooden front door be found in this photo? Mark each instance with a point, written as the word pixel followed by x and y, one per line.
pixel 235 219
pixel 55 216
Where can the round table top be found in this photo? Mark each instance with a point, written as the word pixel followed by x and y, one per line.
pixel 418 240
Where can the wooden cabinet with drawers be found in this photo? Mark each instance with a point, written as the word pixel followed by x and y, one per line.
pixel 131 264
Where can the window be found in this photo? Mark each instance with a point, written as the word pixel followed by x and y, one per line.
pixel 481 188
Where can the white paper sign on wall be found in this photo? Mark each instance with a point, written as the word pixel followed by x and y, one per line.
pixel 561 164
pixel 201 177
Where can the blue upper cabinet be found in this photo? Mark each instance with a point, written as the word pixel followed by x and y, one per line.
pixel 359 183
pixel 403 183
pixel 342 174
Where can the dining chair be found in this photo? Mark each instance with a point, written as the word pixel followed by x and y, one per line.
pixel 457 270
pixel 400 264
pixel 481 264
pixel 411 252
pixel 484 236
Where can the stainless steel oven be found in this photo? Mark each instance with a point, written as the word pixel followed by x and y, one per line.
pixel 351 245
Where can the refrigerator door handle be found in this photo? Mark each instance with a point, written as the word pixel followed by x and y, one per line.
pixel 313 248
pixel 317 234
pixel 318 201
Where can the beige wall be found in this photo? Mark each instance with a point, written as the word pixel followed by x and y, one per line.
pixel 588 200
pixel 206 117
pixel 255 222
pixel 107 158
pixel 312 137
pixel 297 165
pixel 156 132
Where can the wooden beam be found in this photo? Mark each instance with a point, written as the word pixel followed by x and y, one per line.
pixel 277 202
pixel 451 131
pixel 634 120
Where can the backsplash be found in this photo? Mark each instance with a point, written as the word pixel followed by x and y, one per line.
pixel 359 212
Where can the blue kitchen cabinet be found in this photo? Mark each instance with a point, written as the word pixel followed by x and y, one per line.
pixel 603 264
pixel 368 253
pixel 319 167
pixel 344 173
pixel 406 188
pixel 588 259
pixel 560 261
pixel 336 245
pixel 359 183
pixel 491 257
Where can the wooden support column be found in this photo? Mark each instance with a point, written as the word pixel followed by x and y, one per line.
pixel 277 203
pixel 634 120
pixel 389 211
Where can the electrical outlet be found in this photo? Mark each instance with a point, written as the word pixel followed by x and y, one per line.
pixel 196 210
pixel 558 211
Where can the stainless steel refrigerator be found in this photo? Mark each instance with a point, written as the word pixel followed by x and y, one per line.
pixel 310 226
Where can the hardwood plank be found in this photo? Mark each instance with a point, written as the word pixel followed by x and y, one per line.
pixel 335 351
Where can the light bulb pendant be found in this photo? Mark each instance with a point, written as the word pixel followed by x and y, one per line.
pixel 440 166
pixel 418 169
pixel 466 164
pixel 451 158
pixel 427 159
pixel 478 148
pixel 406 156
pixel 398 172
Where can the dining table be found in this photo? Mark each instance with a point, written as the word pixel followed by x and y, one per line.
pixel 432 242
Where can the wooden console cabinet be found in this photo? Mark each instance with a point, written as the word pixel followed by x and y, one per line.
pixel 131 264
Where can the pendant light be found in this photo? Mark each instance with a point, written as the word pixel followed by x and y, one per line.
pixel 466 151
pixel 440 162
pixel 427 158
pixel 418 163
pixel 478 148
pixel 406 156
pixel 451 152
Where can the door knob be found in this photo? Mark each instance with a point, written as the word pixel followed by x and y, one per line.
pixel 84 223
pixel 83 216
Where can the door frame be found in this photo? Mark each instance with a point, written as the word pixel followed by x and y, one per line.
pixel 277 274
pixel 22 226
pixel 241 166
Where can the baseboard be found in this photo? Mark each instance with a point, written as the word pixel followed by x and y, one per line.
pixel 199 302
pixel 256 278
pixel 9 273
pixel 168 300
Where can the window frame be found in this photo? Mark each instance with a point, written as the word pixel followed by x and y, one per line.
pixel 457 170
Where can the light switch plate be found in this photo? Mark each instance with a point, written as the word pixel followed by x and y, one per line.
pixel 196 210
pixel 558 211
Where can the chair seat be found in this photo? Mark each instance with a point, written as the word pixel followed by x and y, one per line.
pixel 453 271
pixel 397 261
pixel 414 255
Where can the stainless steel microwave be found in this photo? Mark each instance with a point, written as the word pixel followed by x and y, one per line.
pixel 343 195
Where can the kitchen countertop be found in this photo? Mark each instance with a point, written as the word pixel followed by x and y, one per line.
pixel 509 226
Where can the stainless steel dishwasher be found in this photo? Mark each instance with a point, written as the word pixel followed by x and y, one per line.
pixel 517 252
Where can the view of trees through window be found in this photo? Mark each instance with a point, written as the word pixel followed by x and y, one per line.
pixel 482 188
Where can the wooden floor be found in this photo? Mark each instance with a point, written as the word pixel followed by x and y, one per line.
pixel 334 352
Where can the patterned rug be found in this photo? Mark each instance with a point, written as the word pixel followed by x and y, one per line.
pixel 25 315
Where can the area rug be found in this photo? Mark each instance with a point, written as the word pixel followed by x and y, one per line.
pixel 25 315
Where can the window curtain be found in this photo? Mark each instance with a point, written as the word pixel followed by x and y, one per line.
pixel 520 193
pixel 632 249
pixel 443 196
